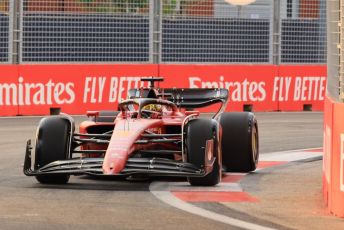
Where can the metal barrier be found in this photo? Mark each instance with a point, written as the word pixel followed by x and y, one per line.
pixel 5 31
pixel 335 60
pixel 303 31
pixel 215 31
pixel 162 31
pixel 85 31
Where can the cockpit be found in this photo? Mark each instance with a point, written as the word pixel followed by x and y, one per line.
pixel 147 108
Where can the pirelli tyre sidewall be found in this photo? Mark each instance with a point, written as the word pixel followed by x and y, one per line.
pixel 52 144
pixel 240 141
pixel 197 133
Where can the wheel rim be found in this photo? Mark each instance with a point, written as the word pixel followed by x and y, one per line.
pixel 255 144
pixel 216 149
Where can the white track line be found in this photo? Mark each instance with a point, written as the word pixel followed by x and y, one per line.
pixel 160 191
pixel 185 186
pixel 297 150
pixel 289 156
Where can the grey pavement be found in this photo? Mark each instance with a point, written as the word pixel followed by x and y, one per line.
pixel 116 204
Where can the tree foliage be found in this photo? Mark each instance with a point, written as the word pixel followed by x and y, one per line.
pixel 130 6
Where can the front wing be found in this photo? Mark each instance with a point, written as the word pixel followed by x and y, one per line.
pixel 93 166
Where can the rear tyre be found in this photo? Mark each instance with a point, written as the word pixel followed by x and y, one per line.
pixel 106 116
pixel 198 131
pixel 240 143
pixel 52 144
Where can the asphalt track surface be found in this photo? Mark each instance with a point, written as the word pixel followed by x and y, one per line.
pixel 86 203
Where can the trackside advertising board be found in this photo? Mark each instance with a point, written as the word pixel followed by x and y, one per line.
pixel 333 160
pixel 34 89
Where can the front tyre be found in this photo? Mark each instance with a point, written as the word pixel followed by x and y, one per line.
pixel 198 132
pixel 52 144
pixel 240 146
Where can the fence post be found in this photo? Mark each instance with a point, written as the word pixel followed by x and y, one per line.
pixel 11 27
pixel 276 31
pixel 155 21
pixel 15 9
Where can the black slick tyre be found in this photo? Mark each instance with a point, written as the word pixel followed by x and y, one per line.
pixel 198 132
pixel 52 144
pixel 240 143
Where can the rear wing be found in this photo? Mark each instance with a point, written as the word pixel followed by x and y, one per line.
pixel 195 98
pixel 184 97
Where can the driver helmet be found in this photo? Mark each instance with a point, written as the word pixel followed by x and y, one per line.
pixel 153 107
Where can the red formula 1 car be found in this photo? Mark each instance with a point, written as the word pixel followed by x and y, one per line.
pixel 154 133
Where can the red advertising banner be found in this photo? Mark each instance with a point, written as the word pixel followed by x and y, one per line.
pixel 34 89
pixel 333 160
pixel 328 144
pixel 247 84
pixel 77 88
pixel 297 86
pixel 8 90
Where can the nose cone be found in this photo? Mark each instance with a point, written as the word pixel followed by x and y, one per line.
pixel 122 143
pixel 115 162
